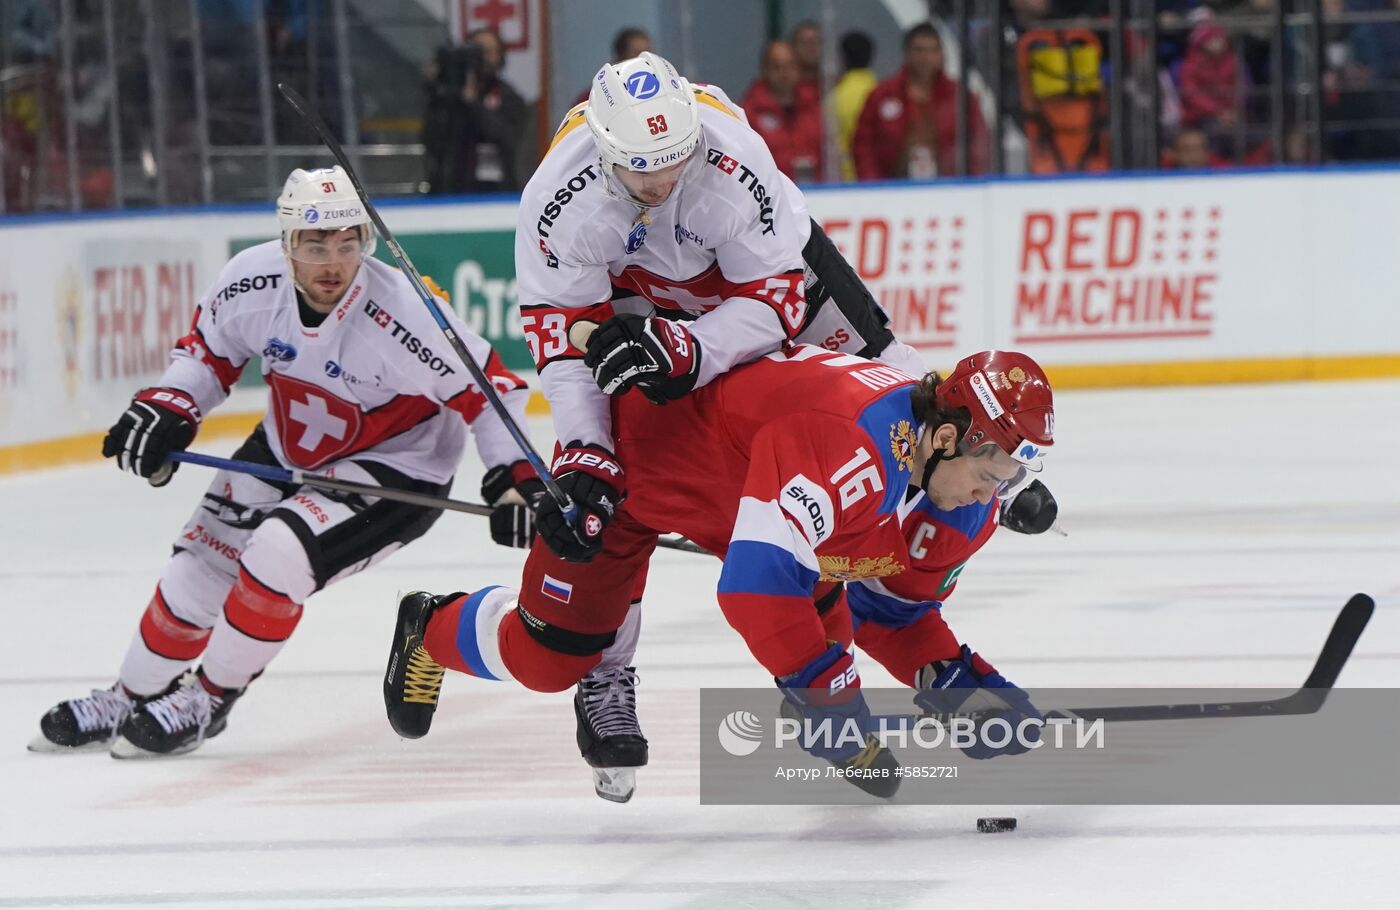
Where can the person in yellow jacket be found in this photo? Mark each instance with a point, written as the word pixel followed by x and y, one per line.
pixel 847 97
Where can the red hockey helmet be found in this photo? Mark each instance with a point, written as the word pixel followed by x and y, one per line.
pixel 1010 401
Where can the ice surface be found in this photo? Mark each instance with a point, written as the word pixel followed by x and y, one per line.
pixel 1214 533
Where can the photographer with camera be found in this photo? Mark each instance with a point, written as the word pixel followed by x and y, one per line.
pixel 475 121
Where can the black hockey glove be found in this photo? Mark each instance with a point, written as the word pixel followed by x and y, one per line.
pixel 593 480
pixel 513 491
pixel 156 423
pixel 659 356
pixel 1031 511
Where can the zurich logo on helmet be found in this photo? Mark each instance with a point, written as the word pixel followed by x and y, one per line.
pixel 1029 452
pixel 642 85
pixel 638 162
pixel 311 216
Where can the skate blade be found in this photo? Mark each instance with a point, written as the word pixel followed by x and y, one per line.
pixel 43 745
pixel 616 785
pixel 125 749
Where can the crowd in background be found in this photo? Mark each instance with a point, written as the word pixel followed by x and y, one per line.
pixel 1040 81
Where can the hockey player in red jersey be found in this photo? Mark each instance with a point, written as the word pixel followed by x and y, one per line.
pixel 659 213
pixel 362 387
pixel 805 468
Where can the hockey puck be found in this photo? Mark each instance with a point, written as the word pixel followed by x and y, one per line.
pixel 995 825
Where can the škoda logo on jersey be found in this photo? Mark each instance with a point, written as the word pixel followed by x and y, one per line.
pixel 749 180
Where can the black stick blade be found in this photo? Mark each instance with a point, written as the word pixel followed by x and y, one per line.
pixel 1351 622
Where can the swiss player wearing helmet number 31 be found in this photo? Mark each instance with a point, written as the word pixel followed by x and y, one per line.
pixel 361 387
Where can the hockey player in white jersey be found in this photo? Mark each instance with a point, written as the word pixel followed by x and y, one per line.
pixel 659 214
pixel 362 386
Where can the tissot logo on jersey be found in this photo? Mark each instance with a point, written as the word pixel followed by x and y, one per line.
pixel 749 180
pixel 380 315
pixel 399 332
pixel 251 283
pixel 563 196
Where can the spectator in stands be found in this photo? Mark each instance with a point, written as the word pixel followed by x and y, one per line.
pixel 1361 83
pixel 788 119
pixel 30 30
pixel 630 42
pixel 908 127
pixel 627 43
pixel 806 41
pixel 1210 79
pixel 1190 151
pixel 475 121
pixel 848 96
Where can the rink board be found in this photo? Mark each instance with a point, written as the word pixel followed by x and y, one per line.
pixel 1109 282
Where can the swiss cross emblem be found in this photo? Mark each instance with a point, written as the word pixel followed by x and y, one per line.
pixel 508 18
pixel 726 164
pixel 313 425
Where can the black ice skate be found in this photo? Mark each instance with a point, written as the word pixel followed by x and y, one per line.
pixel 175 723
pixel 85 724
pixel 609 736
pixel 413 680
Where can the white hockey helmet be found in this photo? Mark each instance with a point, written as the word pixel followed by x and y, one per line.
pixel 322 200
pixel 643 114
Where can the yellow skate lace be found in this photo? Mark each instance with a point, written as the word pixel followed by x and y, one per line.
pixel 422 678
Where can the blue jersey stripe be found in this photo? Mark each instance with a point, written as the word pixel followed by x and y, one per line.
pixel 466 635
pixel 754 567
pixel 872 606
pixel 879 420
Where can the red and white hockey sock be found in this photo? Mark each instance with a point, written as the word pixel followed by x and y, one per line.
pixel 255 624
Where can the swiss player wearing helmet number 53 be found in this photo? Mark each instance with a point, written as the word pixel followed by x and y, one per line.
pixel 818 469
pixel 658 216
pixel 361 387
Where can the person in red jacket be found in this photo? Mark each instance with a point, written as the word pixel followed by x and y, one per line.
pixel 1210 79
pixel 788 119
pixel 908 127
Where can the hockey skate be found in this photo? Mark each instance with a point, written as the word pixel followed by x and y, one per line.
pixel 609 736
pixel 87 724
pixel 175 723
pixel 413 680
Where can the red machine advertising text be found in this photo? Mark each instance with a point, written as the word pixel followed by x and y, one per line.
pixel 1117 273
pixel 913 267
